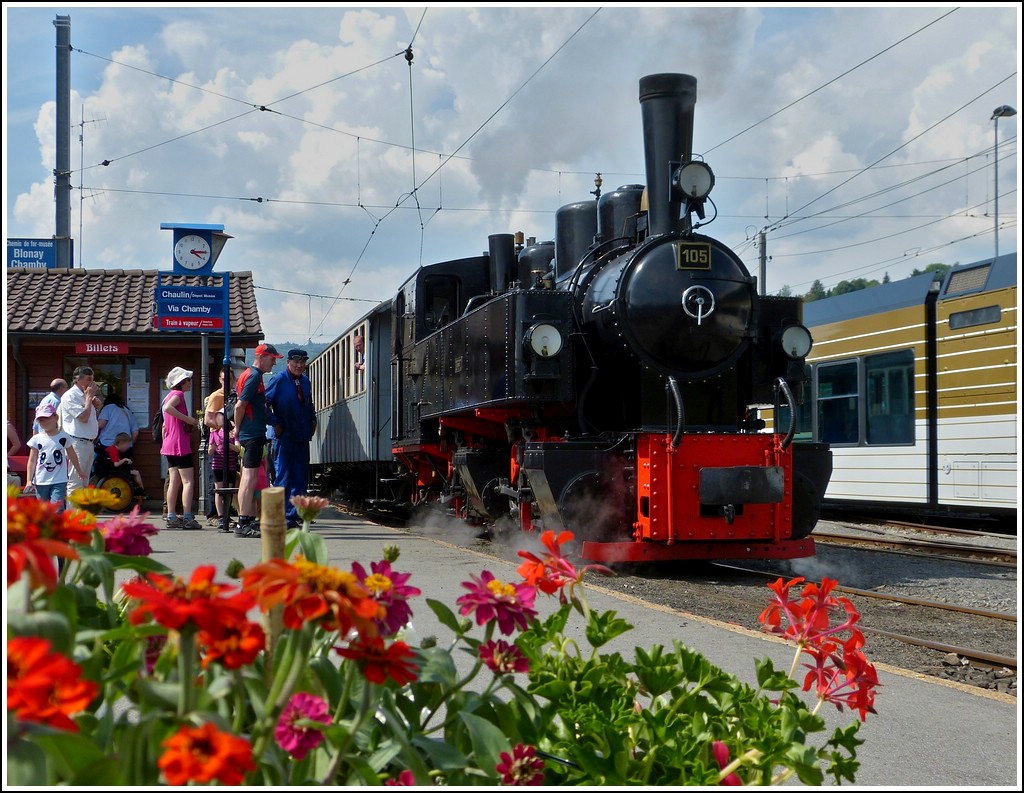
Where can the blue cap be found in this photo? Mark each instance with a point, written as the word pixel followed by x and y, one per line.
pixel 294 354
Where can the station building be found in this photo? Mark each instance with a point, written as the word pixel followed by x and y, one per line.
pixel 62 318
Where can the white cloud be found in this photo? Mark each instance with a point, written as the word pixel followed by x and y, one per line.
pixel 535 100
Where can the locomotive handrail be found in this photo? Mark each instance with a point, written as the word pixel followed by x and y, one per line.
pixel 680 419
pixel 790 401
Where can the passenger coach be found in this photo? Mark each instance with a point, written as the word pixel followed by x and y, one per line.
pixel 916 392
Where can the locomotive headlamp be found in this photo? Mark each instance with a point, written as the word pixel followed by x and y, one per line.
pixel 544 340
pixel 692 180
pixel 796 341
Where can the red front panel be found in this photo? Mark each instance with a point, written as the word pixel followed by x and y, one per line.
pixel 668 489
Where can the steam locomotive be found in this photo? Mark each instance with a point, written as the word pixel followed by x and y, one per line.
pixel 610 382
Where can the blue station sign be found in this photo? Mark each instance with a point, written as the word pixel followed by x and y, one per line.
pixel 40 253
pixel 180 307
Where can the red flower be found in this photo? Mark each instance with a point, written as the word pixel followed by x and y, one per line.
pixel 722 758
pixel 199 603
pixel 846 679
pixel 234 644
pixel 840 673
pixel 405 779
pixel 809 620
pixel 202 754
pixel 38 531
pixel 522 767
pixel 126 534
pixel 510 604
pixel 554 571
pixel 45 687
pixel 379 662
pixel 502 657
pixel 309 591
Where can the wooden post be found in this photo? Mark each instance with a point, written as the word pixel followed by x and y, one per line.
pixel 272 531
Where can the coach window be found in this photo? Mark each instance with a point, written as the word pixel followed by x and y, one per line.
pixel 838 403
pixel 889 392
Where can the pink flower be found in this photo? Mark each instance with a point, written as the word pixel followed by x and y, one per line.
pixel 722 758
pixel 510 604
pixel 291 734
pixel 522 767
pixel 405 779
pixel 502 657
pixel 126 534
pixel 390 590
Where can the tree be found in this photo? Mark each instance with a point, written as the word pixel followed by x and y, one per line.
pixel 938 270
pixel 817 292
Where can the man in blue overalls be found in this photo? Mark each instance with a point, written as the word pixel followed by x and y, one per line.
pixel 293 417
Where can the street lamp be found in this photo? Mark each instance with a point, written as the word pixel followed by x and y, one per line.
pixel 1003 111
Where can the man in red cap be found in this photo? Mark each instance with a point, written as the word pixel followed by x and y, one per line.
pixel 251 419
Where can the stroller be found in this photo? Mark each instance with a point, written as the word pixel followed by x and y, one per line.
pixel 118 483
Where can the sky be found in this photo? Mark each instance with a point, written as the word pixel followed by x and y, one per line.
pixel 858 139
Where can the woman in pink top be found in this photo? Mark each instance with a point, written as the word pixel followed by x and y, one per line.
pixel 177 448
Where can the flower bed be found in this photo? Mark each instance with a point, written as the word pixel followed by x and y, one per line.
pixel 168 680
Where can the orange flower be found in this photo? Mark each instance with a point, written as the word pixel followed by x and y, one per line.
pixel 43 686
pixel 234 645
pixel 202 754
pixel 554 571
pixel 175 604
pixel 310 591
pixel 37 531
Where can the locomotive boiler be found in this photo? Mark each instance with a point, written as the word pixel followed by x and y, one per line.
pixel 614 381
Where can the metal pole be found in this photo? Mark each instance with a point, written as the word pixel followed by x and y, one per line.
pixel 995 154
pixel 62 171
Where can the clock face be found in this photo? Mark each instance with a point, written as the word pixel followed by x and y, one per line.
pixel 192 252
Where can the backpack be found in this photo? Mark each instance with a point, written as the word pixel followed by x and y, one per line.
pixel 158 427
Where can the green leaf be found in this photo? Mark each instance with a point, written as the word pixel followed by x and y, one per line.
pixel 74 757
pixel 442 755
pixel 26 764
pixel 605 626
pixel 438 667
pixel 445 615
pixel 50 625
pixel 487 740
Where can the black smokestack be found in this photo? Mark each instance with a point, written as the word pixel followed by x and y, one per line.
pixel 666 105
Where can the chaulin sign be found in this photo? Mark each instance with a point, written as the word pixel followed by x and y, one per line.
pixel 100 348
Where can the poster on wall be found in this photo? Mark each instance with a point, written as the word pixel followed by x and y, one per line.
pixel 138 402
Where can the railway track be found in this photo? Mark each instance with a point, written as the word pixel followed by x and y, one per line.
pixel 1006 557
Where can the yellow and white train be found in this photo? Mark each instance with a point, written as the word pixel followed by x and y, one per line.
pixel 916 393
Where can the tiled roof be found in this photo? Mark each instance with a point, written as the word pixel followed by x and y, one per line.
pixel 121 302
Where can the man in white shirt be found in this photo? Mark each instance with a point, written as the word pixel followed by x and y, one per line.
pixel 78 409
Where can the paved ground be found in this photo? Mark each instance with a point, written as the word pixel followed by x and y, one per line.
pixel 926 733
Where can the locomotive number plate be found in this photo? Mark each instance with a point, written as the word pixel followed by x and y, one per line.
pixel 693 256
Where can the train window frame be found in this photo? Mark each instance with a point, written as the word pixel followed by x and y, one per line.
pixel 987 315
pixel 832 404
pixel 441 301
pixel 353 363
pixel 889 404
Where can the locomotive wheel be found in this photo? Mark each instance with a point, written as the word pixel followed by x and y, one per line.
pixel 120 490
pixel 588 508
